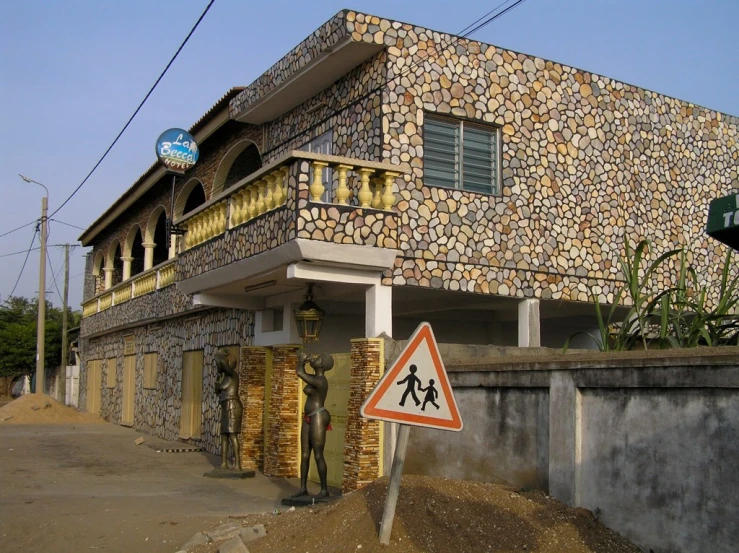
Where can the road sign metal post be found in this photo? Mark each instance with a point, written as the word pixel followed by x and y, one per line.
pixel 393 488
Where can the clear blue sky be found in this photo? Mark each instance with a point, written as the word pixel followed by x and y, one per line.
pixel 73 71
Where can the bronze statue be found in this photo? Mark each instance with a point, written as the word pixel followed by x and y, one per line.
pixel 316 419
pixel 227 387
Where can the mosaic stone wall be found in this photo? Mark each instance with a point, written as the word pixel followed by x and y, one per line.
pixel 362 437
pixel 351 108
pixel 88 287
pixel 588 162
pixel 157 411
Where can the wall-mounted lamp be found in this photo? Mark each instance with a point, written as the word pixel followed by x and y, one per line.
pixel 309 318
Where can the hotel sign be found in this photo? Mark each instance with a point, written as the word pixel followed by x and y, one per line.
pixel 177 150
pixel 723 220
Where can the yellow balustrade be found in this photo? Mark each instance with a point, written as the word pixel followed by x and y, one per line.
pixel 122 294
pixel 166 275
pixel 145 284
pixel 90 308
pixel 269 191
pixel 106 301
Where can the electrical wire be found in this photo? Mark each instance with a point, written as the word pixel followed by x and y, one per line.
pixel 33 239
pixel 19 228
pixel 207 8
pixel 67 224
pixel 53 277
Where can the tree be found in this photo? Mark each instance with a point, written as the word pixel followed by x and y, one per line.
pixel 18 319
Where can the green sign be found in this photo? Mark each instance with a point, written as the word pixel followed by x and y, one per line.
pixel 723 220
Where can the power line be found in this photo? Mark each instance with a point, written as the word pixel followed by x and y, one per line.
pixel 137 109
pixel 53 277
pixel 19 228
pixel 33 238
pixel 67 224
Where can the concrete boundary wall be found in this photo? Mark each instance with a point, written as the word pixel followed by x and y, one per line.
pixel 648 440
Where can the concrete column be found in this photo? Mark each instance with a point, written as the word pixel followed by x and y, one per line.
pixel 148 255
pixel 565 451
pixel 108 276
pixel 126 267
pixel 379 311
pixel 529 324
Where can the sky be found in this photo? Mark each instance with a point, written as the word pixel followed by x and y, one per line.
pixel 73 71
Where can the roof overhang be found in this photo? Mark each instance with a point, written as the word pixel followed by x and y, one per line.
pixel 321 72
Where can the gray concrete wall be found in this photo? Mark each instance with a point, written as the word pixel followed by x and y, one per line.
pixel 649 439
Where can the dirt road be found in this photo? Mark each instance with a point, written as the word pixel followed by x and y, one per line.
pixel 66 489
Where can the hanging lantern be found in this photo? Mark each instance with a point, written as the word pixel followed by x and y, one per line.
pixel 309 318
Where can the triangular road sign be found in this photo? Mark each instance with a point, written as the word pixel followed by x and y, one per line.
pixel 416 389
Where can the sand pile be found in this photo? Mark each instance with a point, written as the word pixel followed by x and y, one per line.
pixel 436 515
pixel 42 409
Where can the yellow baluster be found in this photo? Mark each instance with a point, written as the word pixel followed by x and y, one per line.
pixel 388 198
pixel 365 194
pixel 278 195
pixel 246 198
pixel 376 193
pixel 235 202
pixel 260 197
pixel 316 188
pixel 252 209
pixel 269 202
pixel 343 194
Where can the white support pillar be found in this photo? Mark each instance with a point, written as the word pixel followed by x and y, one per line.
pixel 379 311
pixel 108 277
pixel 529 324
pixel 126 267
pixel 148 255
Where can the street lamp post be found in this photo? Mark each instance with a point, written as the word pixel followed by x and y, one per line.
pixel 41 326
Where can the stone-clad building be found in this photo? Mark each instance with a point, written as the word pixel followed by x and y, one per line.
pixel 410 175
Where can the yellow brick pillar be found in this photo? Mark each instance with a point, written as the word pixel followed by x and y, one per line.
pixel 362 440
pixel 252 371
pixel 282 440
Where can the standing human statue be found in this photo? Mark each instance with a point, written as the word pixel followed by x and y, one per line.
pixel 227 387
pixel 316 419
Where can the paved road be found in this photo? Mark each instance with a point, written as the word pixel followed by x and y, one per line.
pixel 66 489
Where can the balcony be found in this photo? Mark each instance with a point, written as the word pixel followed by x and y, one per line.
pixel 328 200
pixel 144 283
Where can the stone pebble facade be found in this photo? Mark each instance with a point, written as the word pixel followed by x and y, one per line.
pixel 157 411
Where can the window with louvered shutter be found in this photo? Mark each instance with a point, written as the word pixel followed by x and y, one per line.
pixel 460 155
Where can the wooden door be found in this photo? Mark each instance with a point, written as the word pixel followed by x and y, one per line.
pixel 337 403
pixel 129 386
pixel 94 385
pixel 191 415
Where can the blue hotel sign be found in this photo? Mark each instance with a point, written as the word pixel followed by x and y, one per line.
pixel 177 150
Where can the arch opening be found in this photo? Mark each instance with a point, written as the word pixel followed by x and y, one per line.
pixel 240 161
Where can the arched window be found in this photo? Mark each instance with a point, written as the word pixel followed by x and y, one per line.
pixel 189 198
pixel 115 262
pixel 98 273
pixel 240 161
pixel 137 252
pixel 160 239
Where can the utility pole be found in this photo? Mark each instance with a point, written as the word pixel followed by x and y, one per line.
pixel 41 330
pixel 64 326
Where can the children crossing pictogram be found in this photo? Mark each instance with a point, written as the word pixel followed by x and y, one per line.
pixel 416 390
